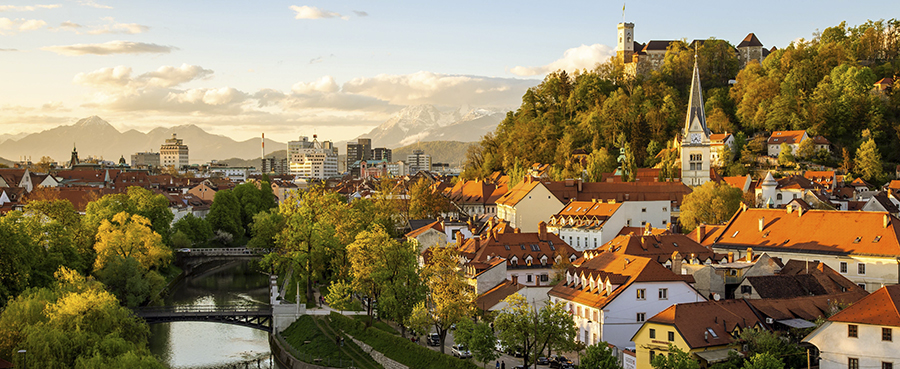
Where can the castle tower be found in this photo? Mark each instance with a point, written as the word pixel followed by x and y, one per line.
pixel 695 143
pixel 625 45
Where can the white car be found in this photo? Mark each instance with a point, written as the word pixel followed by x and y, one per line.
pixel 460 351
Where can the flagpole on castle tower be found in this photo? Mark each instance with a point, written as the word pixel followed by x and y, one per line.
pixel 623 12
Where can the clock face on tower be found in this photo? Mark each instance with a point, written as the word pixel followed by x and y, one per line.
pixel 695 138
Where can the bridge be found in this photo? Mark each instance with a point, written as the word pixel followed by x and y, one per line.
pixel 258 316
pixel 189 259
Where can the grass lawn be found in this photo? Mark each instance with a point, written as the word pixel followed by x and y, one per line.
pixel 378 324
pixel 319 346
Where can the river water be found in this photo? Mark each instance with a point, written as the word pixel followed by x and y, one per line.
pixel 202 345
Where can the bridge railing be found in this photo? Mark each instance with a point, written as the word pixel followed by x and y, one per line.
pixel 223 251
pixel 204 309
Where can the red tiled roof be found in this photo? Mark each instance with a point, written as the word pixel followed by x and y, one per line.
pixel 815 231
pixel 789 137
pixel 878 308
pixel 708 323
pixel 807 307
pixel 660 247
pixel 514 247
pixel 436 225
pixel 750 40
pixel 493 296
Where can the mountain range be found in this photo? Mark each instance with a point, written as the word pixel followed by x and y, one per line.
pixel 421 123
pixel 95 137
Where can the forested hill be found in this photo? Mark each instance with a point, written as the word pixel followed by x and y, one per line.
pixel 823 85
pixel 452 152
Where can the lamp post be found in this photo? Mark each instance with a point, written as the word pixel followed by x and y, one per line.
pixel 24 359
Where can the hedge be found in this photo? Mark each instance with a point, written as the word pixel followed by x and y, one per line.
pixel 398 348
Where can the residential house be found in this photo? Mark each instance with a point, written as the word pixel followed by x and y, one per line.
pixel 862 246
pixel 796 279
pixel 611 295
pixel 532 201
pixel 590 224
pixel 439 233
pixel 827 179
pixel 792 138
pixel 777 193
pixel 882 202
pixel 477 197
pixel 743 183
pixel 861 335
pixel 529 256
pixel 718 143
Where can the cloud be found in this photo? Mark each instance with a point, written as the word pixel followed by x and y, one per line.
pixel 20 24
pixel 163 77
pixel 441 89
pixel 28 8
pixel 123 28
pixel 93 4
pixel 582 57
pixel 10 50
pixel 325 84
pixel 360 13
pixel 311 12
pixel 68 24
pixel 109 48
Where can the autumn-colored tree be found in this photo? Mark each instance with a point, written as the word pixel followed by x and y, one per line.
pixel 711 203
pixel 867 164
pixel 425 202
pixel 449 298
pixel 127 236
pixel 785 155
pixel 139 201
pixel 806 150
pixel 339 296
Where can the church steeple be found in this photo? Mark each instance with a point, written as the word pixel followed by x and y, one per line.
pixel 696 116
pixel 74 159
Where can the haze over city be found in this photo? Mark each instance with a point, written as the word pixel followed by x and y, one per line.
pixel 337 68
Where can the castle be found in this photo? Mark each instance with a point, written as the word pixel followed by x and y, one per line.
pixel 643 58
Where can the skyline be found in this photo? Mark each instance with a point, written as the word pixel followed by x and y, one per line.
pixel 336 69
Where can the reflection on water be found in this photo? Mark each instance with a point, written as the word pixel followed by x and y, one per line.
pixel 197 345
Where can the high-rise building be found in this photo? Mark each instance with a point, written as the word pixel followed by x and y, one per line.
pixel 174 153
pixel 417 161
pixel 361 150
pixel 313 159
pixel 147 160
pixel 381 153
pixel 274 165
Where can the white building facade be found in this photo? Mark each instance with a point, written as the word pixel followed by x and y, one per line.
pixel 174 153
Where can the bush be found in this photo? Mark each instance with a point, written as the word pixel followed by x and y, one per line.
pixel 398 348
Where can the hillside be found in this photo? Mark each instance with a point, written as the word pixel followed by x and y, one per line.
pixel 238 162
pixel 453 152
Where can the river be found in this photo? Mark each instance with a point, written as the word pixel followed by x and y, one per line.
pixel 202 345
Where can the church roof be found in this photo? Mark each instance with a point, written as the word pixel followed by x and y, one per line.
pixel 695 104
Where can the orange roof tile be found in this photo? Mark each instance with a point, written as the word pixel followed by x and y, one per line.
pixel 815 231
pixel 657 247
pixel 789 137
pixel 708 323
pixel 493 296
pixel 878 308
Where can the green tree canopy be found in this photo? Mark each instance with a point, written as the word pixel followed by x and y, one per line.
pixel 711 203
pixel 599 356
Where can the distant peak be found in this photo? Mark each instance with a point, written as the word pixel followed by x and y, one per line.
pixel 92 121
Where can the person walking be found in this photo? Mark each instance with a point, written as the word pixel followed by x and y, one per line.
pixel 503 365
pixel 498 364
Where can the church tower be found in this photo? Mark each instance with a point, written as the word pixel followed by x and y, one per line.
pixel 625 45
pixel 695 143
pixel 74 160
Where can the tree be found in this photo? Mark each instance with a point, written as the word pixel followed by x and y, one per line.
pixel 599 162
pixel 868 164
pixel 379 263
pixel 425 202
pixel 339 296
pixel 676 359
pixel 225 215
pixel 711 203
pixel 75 323
pixel 763 361
pixel 478 338
pixel 599 356
pixel 449 298
pixel 137 201
pixel 130 236
pixel 785 155
pixel 197 230
pixel 126 278
pixel 265 228
pixel 520 324
pixel 807 149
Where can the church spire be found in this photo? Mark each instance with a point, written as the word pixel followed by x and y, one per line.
pixel 695 105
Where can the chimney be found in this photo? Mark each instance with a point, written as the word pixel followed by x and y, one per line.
pixel 693 256
pixel 762 223
pixel 460 239
pixel 515 280
pixel 542 231
pixel 887 220
pixel 579 183
pixel 730 257
pixel 750 254
pixel 570 182
pixel 789 208
pixel 799 211
pixel 676 263
pixel 701 232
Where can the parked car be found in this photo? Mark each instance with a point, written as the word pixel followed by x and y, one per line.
pixel 522 367
pixel 542 361
pixel 560 362
pixel 514 351
pixel 460 351
pixel 433 340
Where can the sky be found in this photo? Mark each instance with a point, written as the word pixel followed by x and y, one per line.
pixel 335 68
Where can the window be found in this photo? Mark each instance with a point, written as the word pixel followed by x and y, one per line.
pixel 746 290
pixel 861 285
pixel 853 363
pixel 652 355
pixel 778 197
pixel 641 294
pixel 663 293
pixel 671 336
pixel 887 334
pixel 530 278
pixel 886 365
pixel 545 278
pixel 652 333
pixel 641 317
pixel 643 210
pixel 696 162
pixel 852 330
pixel 843 267
pixel 861 269
pixel 665 208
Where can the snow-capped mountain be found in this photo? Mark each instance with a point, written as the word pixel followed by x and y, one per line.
pixel 428 123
